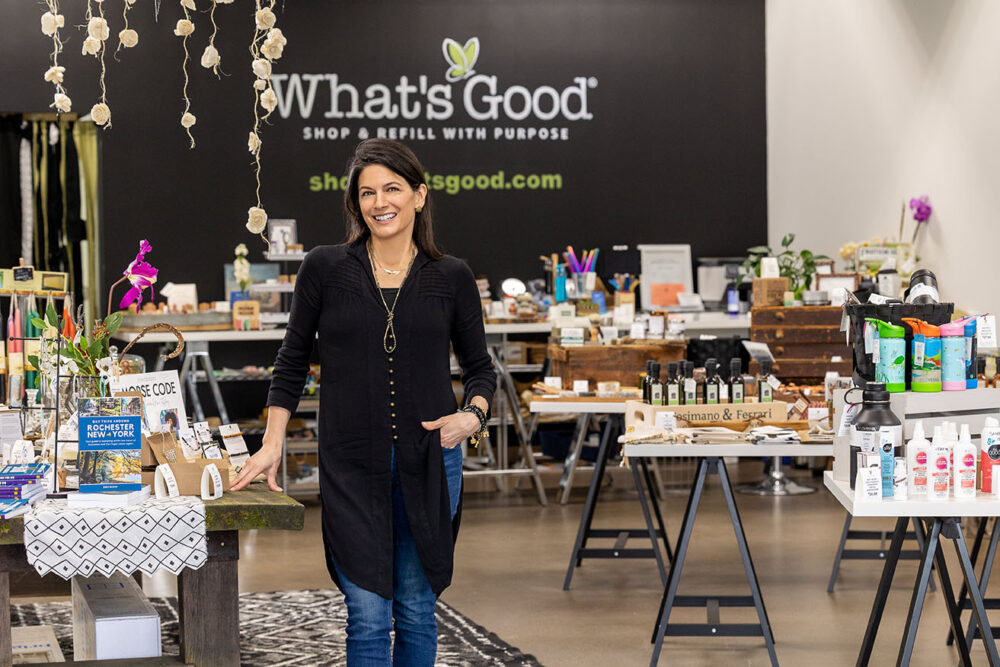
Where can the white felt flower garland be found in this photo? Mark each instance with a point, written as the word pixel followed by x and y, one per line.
pixel 97 35
pixel 184 29
pixel 52 20
pixel 127 37
pixel 267 46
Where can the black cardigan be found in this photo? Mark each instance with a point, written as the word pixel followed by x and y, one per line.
pixel 371 401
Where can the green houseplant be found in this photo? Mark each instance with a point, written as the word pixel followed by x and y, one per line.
pixel 798 267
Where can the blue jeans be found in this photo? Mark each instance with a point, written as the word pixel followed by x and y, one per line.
pixel 370 617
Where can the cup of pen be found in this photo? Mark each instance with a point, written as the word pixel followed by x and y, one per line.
pixel 585 282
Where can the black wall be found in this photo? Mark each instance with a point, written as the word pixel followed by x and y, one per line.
pixel 675 151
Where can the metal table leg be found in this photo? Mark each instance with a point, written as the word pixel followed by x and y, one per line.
pixel 888 570
pixel 776 484
pixel 948 593
pixel 844 553
pixel 984 577
pixel 645 515
pixel 569 467
pixel 506 386
pixel 978 607
pixel 919 592
pixel 654 499
pixel 963 591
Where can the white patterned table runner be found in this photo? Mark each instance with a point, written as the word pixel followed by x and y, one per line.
pixel 156 534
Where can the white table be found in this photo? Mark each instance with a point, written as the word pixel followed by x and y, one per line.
pixel 943 517
pixel 714 323
pixel 711 461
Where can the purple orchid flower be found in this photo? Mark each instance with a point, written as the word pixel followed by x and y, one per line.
pixel 921 208
pixel 141 274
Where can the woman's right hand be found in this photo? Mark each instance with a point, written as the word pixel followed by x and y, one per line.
pixel 265 461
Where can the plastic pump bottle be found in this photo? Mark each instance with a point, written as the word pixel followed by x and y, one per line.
pixel 940 472
pixel 917 456
pixel 990 459
pixel 965 465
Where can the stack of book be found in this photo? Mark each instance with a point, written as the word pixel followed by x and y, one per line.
pixel 21 485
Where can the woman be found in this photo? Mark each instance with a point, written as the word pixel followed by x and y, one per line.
pixel 387 305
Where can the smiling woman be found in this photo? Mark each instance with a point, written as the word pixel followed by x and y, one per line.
pixel 387 305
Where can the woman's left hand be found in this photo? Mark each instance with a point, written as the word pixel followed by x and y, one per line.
pixel 454 427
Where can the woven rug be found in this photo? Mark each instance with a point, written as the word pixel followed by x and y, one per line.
pixel 297 628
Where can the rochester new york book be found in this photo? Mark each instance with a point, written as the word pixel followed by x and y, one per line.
pixel 110 457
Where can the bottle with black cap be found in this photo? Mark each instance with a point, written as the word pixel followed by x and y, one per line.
pixel 712 382
pixel 644 379
pixel 875 426
pixel 673 388
pixel 765 392
pixel 737 386
pixel 655 385
pixel 690 387
pixel 923 288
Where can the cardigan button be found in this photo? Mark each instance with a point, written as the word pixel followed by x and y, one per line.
pixel 393 414
pixel 391 404
pixel 392 392
pixel 395 437
pixel 390 370
pixel 390 358
pixel 394 426
pixel 390 381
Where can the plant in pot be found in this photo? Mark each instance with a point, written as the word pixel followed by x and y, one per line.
pixel 241 273
pixel 799 267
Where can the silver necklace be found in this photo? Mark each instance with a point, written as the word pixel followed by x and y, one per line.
pixel 389 338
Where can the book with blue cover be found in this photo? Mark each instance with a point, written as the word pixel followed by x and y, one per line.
pixel 110 458
pixel 12 508
pixel 24 472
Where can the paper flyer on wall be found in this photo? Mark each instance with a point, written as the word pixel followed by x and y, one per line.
pixel 163 400
pixel 110 457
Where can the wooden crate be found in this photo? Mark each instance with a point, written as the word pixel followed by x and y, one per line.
pixel 639 414
pixel 606 363
pixel 770 291
pixel 803 340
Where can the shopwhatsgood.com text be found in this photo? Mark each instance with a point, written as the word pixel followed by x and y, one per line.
pixel 452 184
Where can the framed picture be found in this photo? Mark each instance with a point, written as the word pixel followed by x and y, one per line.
pixel 836 284
pixel 281 233
pixel 666 272
pixel 55 282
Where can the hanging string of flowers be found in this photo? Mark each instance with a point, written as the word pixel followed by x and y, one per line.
pixel 210 58
pixel 127 37
pixel 185 28
pixel 267 46
pixel 52 20
pixel 97 35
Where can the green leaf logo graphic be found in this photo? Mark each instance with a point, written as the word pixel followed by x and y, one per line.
pixel 461 59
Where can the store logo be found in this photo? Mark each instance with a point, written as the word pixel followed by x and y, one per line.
pixel 460 58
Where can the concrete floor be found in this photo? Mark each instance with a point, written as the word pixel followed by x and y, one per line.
pixel 512 556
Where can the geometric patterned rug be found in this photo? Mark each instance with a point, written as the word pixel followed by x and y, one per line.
pixel 298 628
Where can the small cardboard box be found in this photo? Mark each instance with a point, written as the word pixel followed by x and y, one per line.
pixel 641 414
pixel 112 619
pixel 770 291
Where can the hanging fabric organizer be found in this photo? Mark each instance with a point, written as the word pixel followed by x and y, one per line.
pixel 166 534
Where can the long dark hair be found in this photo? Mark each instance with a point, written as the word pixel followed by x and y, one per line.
pixel 399 159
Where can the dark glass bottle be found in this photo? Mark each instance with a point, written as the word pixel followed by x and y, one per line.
pixel 655 385
pixel 737 387
pixel 673 388
pixel 875 418
pixel 644 380
pixel 765 391
pixel 712 381
pixel 690 387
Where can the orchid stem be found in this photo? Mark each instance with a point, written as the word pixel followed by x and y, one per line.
pixel 111 291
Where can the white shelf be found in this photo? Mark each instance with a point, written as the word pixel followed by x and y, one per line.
pixel 984 504
pixel 273 287
pixel 518 327
pixel 554 405
pixel 284 256
pixel 204 336
pixel 301 445
pixel 667 450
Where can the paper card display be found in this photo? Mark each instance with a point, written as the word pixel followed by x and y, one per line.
pixel 203 434
pixel 189 444
pixel 110 456
pixel 234 443
pixel 246 315
pixel 162 398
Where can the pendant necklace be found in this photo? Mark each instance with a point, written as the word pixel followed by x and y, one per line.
pixel 389 338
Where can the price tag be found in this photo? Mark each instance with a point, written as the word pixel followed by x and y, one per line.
pixel 581 386
pixel 918 353
pixel 164 482
pixel 638 330
pixel 553 381
pixel 876 348
pixel 666 421
pixel 869 337
pixel 986 332
pixel 723 392
pixel 774 382
pixel 211 483
pixel 847 419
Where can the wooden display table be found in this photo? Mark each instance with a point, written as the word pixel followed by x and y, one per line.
pixel 608 363
pixel 208 598
pixel 803 340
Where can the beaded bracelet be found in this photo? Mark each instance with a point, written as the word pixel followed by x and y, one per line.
pixel 481 416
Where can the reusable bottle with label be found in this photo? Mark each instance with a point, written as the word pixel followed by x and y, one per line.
pixel 889 355
pixel 874 419
pixel 737 387
pixel 673 387
pixel 953 356
pixel 711 382
pixel 971 354
pixel 925 356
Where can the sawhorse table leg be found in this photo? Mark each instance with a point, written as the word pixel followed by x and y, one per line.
pixel 870 554
pixel 712 603
pixel 621 536
pixel 949 528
